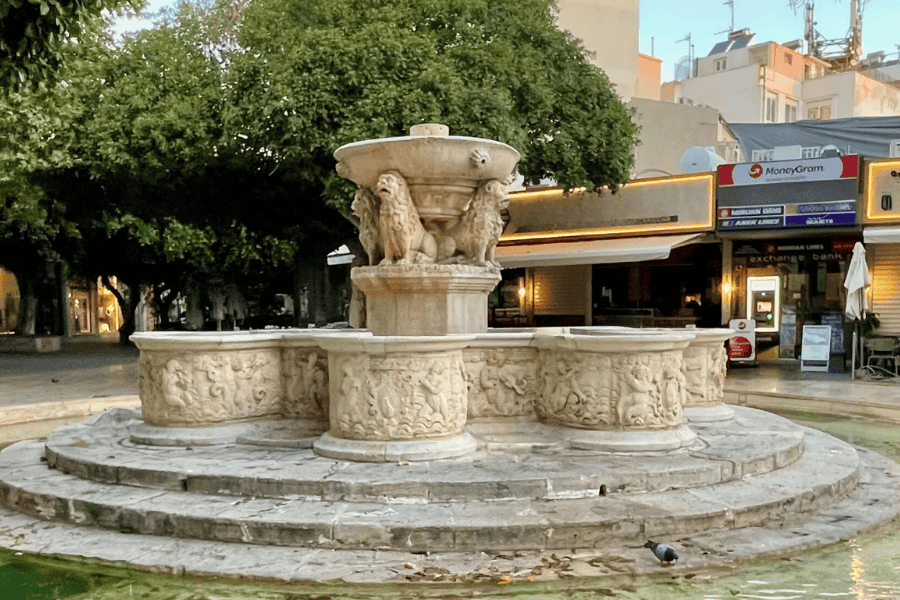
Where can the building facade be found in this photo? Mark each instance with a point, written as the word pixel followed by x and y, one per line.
pixel 775 83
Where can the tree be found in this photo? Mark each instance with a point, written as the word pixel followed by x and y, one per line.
pixel 31 224
pixel 318 74
pixel 158 196
pixel 34 35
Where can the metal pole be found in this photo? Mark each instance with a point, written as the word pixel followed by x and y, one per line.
pixel 853 357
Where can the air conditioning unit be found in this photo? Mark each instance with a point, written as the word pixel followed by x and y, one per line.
pixel 829 151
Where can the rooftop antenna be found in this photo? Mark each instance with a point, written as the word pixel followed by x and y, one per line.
pixel 729 3
pixel 687 39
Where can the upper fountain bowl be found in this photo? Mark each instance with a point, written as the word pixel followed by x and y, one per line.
pixel 442 171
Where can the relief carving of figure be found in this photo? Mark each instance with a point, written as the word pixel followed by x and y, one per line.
pixel 474 239
pixel 365 209
pixel 435 398
pixel 568 394
pixel 596 409
pixel 636 404
pixel 673 393
pixel 175 385
pixel 717 373
pixel 694 375
pixel 490 380
pixel 320 388
pixel 403 237
pixel 513 377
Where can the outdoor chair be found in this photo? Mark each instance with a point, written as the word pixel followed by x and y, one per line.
pixel 883 352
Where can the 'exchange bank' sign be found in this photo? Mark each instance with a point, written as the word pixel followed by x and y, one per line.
pixel 791 193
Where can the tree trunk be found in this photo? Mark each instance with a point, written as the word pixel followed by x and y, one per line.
pixel 126 306
pixel 28 303
pixel 313 278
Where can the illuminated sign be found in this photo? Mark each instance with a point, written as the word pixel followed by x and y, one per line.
pixel 883 191
pixel 677 204
pixel 816 192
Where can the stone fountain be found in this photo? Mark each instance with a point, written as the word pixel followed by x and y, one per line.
pixel 428 432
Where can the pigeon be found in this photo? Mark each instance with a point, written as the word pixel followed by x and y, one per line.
pixel 665 554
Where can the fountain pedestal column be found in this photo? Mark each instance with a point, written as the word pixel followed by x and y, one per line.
pixel 426 299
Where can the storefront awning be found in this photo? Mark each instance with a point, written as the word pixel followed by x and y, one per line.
pixel 619 250
pixel 881 235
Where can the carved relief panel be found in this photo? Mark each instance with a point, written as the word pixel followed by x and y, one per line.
pixel 590 390
pixel 304 372
pixel 397 397
pixel 203 388
pixel 705 369
pixel 501 382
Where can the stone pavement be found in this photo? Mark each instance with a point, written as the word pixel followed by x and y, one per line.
pixel 87 376
pixel 782 386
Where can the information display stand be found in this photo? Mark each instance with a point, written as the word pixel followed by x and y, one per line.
pixel 816 349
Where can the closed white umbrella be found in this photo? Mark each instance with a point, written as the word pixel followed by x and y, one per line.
pixel 856 283
pixel 858 279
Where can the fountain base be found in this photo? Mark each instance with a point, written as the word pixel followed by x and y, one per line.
pixel 330 446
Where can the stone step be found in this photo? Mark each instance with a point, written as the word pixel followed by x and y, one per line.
pixel 521 461
pixel 827 471
pixel 871 505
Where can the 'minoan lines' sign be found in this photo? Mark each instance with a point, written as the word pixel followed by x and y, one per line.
pixel 816 192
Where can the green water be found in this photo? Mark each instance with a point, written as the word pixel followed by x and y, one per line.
pixel 865 568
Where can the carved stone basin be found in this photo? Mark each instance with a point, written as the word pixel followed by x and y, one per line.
pixel 442 171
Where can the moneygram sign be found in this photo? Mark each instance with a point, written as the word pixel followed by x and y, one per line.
pixel 817 192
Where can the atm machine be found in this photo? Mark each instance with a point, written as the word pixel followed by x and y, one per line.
pixel 764 302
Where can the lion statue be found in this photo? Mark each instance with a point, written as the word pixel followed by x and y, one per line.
pixel 403 237
pixel 474 239
pixel 365 209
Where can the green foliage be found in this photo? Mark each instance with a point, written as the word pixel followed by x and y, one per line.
pixel 199 153
pixel 34 35
pixel 317 74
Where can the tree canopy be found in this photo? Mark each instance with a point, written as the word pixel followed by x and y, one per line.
pixel 34 35
pixel 199 152
pixel 316 74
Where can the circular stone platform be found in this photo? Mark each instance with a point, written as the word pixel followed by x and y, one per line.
pixel 758 482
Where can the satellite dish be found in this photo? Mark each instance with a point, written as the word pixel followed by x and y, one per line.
pixel 700 159
pixel 829 151
pixel 683 68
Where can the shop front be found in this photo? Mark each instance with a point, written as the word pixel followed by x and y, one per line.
pixel 93 309
pixel 642 257
pixel 881 236
pixel 789 228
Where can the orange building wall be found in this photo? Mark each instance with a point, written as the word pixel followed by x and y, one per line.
pixel 649 77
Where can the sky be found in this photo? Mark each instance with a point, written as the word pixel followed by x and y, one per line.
pixel 664 22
